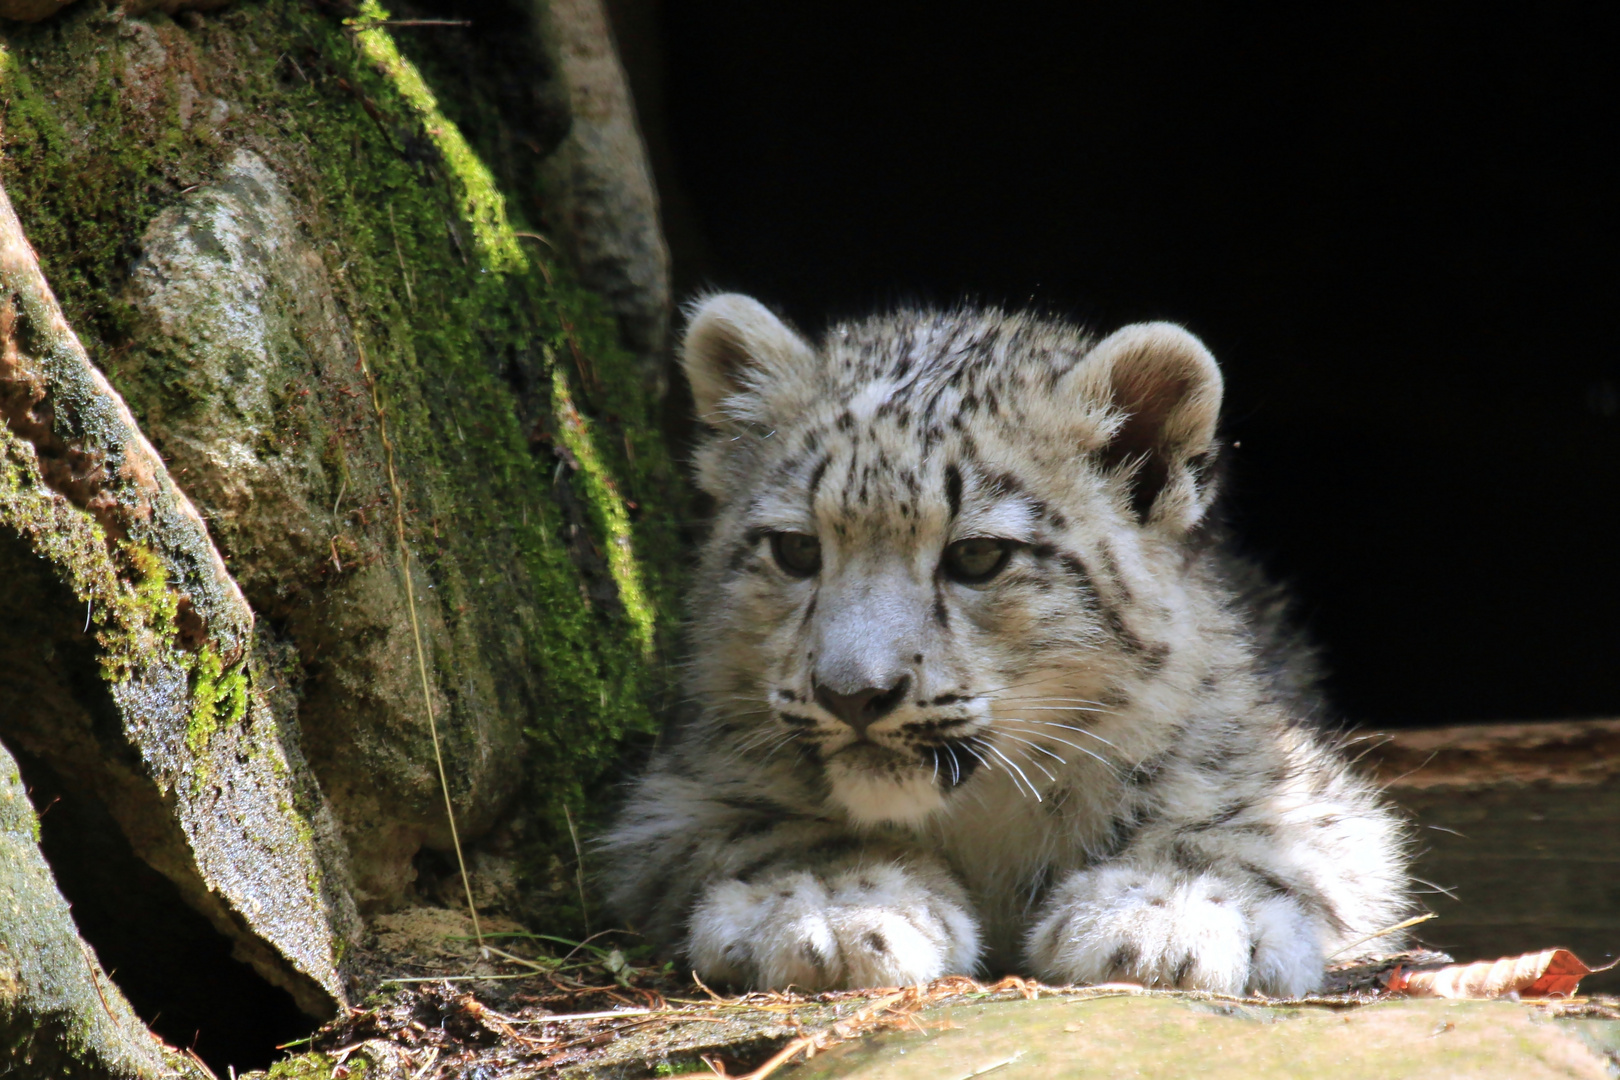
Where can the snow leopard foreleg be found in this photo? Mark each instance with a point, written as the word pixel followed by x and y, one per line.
pixel 752 893
pixel 1159 924
pixel 866 920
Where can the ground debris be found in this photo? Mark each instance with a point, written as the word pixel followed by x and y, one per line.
pixel 519 1010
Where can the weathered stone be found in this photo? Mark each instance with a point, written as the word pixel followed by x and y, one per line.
pixel 237 314
pixel 353 361
pixel 61 1018
pixel 604 205
pixel 159 706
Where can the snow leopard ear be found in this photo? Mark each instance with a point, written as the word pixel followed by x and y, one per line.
pixel 1161 390
pixel 742 361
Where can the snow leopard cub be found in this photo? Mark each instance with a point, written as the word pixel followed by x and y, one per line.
pixel 975 688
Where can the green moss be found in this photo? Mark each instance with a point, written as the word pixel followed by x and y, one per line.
pixel 482 204
pixel 218 697
pixel 480 348
pixel 612 517
pixel 82 211
pixel 316 1066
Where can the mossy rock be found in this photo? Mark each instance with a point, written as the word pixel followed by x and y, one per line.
pixel 327 312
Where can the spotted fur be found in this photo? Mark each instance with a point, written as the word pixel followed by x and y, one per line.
pixel 1093 764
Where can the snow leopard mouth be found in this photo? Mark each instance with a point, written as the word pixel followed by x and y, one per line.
pixel 948 763
pixel 931 746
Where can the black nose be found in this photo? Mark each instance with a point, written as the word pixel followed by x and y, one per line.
pixel 864 707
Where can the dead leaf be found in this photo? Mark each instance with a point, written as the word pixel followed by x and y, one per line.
pixel 1549 973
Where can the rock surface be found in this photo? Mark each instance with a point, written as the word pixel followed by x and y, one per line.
pixel 61 1018
pixel 165 713
pixel 604 205
pixel 1158 1036
pixel 304 278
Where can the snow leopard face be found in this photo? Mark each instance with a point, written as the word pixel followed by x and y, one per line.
pixel 942 541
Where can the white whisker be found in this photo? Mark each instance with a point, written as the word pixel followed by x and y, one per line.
pixel 1089 753
pixel 1023 752
pixel 1042 749
pixel 992 748
pixel 1065 727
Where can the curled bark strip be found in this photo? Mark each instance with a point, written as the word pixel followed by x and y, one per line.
pixel 1549 973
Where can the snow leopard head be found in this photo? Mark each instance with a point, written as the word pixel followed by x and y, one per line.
pixel 947 544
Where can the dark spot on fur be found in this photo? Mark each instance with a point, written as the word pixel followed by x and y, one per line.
pixel 866 883
pixel 1124 958
pixel 941 614
pixel 1121 831
pixel 750 826
pixel 917 659
pixel 1183 969
pixel 875 942
pixel 1273 884
pixel 742 552
pixel 1005 483
pixel 953 489
pixel 1110 565
pixel 1188 858
pixel 1075 567
pixel 812 953
pixel 1219 819
pixel 817 475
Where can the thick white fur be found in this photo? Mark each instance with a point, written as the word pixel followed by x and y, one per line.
pixel 1102 764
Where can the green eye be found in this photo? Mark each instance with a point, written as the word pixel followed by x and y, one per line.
pixel 797 553
pixel 977 559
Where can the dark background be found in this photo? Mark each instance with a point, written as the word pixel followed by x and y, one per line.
pixel 1390 222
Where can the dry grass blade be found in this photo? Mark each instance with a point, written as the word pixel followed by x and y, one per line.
pixel 1375 935
pixel 819 1040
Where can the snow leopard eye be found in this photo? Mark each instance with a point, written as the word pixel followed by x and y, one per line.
pixel 797 553
pixel 976 559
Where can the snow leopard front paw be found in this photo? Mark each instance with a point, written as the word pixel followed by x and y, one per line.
pixel 1168 929
pixel 858 927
